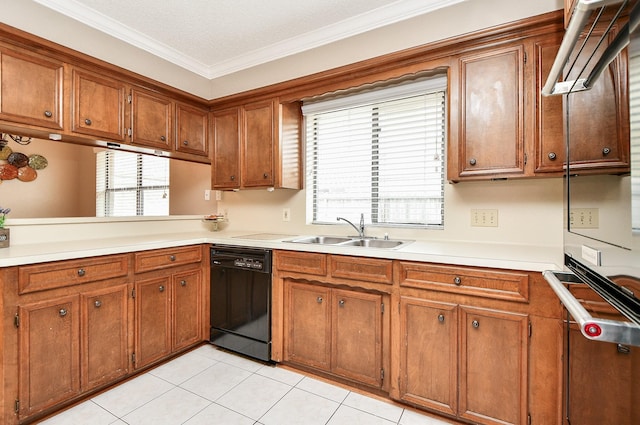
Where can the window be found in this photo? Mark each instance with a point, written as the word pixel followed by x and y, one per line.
pixel 129 184
pixel 380 153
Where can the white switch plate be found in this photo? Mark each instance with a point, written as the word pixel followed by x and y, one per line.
pixel 484 218
pixel 286 214
pixel 207 195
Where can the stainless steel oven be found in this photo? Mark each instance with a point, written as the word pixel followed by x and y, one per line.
pixel 600 285
pixel 241 300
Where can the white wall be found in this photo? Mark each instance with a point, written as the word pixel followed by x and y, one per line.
pixel 530 211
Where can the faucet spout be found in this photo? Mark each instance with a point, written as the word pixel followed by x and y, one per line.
pixel 360 230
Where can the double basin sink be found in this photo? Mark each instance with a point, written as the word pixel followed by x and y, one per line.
pixel 351 241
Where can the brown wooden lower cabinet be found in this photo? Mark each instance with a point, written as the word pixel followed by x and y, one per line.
pixel 62 342
pixel 464 361
pixel 335 330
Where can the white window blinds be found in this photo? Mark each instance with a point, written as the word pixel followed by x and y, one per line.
pixel 634 118
pixel 130 184
pixel 380 153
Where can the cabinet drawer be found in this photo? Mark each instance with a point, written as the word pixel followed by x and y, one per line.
pixel 45 276
pixel 358 268
pixel 301 262
pixel 485 283
pixel 170 257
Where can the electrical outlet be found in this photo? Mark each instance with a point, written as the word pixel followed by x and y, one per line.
pixel 584 218
pixel 207 195
pixel 286 214
pixel 484 218
pixel 218 195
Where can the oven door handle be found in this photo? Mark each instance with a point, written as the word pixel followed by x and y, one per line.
pixel 592 328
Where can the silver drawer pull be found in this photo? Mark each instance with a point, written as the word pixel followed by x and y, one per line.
pixel 81 272
pixel 98 303
pixel 441 318
pixel 475 324
pixel 183 283
pixel 172 257
pixel 457 280
pixel 161 288
pixel 62 312
pixel 341 302
pixel 319 300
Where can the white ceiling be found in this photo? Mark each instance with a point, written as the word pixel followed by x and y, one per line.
pixel 213 38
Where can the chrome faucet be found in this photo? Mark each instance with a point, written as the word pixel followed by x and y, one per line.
pixel 359 230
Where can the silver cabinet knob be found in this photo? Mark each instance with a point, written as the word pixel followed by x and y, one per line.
pixel 233 178
pixel 62 312
pixel 87 121
pixel 81 272
pixel 172 257
pixel 183 283
pixel 97 303
pixel 441 318
pixel 341 303
pixel 163 138
pixel 265 175
pixel 473 161
pixel 161 288
pixel 186 143
pixel 552 156
pixel 319 300
pixel 457 280
pixel 606 151
pixel 48 114
pixel 475 324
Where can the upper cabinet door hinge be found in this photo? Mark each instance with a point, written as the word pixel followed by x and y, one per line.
pixel 133 293
pixel 525 57
pixel 381 375
pixel 16 320
pixel 133 358
pixel 530 329
pixel 16 406
pixel 525 159
pixel 529 419
pixel 382 308
pixel 129 98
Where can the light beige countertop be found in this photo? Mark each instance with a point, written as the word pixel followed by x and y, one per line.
pixel 495 255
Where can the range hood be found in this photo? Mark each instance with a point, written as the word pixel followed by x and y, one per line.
pixel 587 15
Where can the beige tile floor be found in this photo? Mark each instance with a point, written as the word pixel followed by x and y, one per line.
pixel 208 386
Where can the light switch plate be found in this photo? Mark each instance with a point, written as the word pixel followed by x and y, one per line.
pixel 484 218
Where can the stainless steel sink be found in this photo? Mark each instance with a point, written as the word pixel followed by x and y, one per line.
pixel 350 241
pixel 374 243
pixel 322 240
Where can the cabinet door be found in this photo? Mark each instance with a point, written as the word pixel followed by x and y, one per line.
pixel 104 336
pixel 151 117
pixel 153 321
pixel 49 370
pixel 186 308
pixel 98 106
pixel 490 115
pixel 429 354
pixel 308 325
pixel 357 336
pixel 493 366
pixel 258 144
pixel 30 90
pixel 603 382
pixel 599 117
pixel 225 163
pixel 549 131
pixel 192 130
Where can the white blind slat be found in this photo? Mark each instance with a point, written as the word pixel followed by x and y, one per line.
pixel 378 153
pixel 129 184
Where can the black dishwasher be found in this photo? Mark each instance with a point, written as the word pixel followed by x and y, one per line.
pixel 241 300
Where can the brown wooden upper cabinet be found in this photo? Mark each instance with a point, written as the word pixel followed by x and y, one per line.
pixel 31 89
pixel 257 145
pixel 487 126
pixel 151 119
pixel 192 130
pixel 599 123
pixel 98 106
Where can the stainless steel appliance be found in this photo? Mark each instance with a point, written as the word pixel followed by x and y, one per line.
pixel 241 300
pixel 600 286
